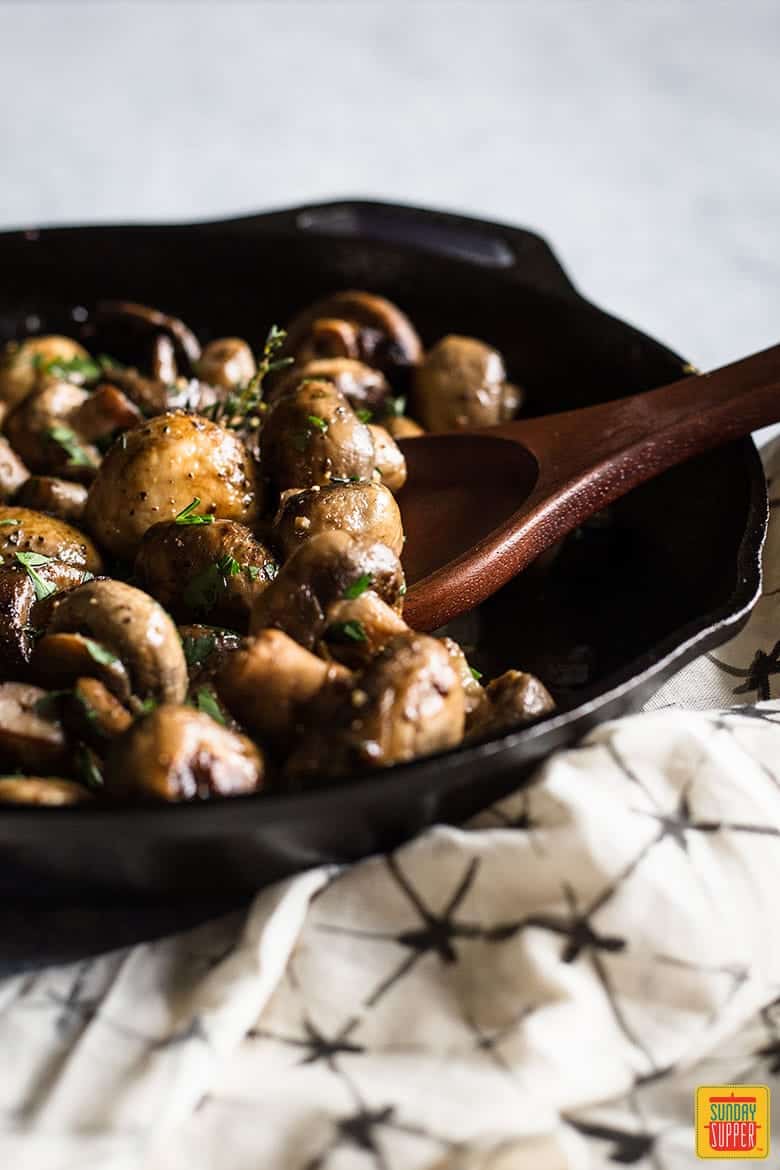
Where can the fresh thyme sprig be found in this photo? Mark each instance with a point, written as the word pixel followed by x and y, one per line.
pixel 237 408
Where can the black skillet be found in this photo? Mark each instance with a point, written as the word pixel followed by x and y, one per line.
pixel 672 570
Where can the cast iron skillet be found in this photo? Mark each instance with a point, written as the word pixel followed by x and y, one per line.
pixel 671 571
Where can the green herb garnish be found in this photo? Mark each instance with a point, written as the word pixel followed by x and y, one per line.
pixel 365 415
pixel 87 767
pixel 206 701
pixel 31 562
pixel 357 588
pixel 236 408
pixel 318 422
pixel 344 479
pixel 4 523
pixel 207 586
pixel 402 589
pixel 351 631
pixel 77 456
pixel 197 650
pixel 149 704
pixel 78 369
pixel 99 653
pixel 477 674
pixel 189 516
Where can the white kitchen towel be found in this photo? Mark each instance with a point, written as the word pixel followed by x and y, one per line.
pixel 542 990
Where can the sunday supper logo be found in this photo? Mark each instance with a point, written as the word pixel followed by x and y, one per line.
pixel 732 1121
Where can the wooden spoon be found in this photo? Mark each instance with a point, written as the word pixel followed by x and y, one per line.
pixel 481 505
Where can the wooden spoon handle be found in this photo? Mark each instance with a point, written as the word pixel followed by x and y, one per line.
pixel 643 435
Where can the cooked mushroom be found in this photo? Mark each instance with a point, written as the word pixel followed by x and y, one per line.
pixel 24 605
pixel 133 628
pixel 407 703
pixel 93 714
pixel 42 432
pixel 474 695
pixel 24 531
pixel 106 411
pixel 513 700
pixel 364 510
pixel 358 325
pixel 461 383
pixel 176 753
pixel 268 683
pixel 30 739
pixel 388 458
pixel 59 659
pixel 143 319
pixel 164 368
pixel 360 626
pixel 216 569
pixel 228 362
pixel 42 790
pixel 25 366
pixel 206 650
pixel 400 426
pixel 13 472
pixel 364 387
pixel 311 435
pixel 59 497
pixel 157 469
pixel 319 573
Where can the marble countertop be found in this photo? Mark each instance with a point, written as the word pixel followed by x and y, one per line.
pixel 640 139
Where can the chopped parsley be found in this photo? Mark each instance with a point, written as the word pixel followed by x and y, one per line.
pixel 70 444
pixel 87 767
pixel 99 653
pixel 344 479
pixel 318 422
pixel 79 369
pixel 188 515
pixel 149 704
pixel 206 587
pixel 395 407
pixel 31 562
pixel 5 523
pixel 477 674
pixel 351 631
pixel 365 415
pixel 198 649
pixel 358 588
pixel 402 589
pixel 206 701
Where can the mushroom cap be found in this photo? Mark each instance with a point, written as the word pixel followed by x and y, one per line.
pixel 21 614
pixel 459 384
pixel 13 472
pixel 44 414
pixel 158 468
pixel 388 458
pixel 381 334
pixel 364 510
pixel 40 533
pixel 23 364
pixel 176 753
pixel 59 497
pixel 227 362
pixel 29 739
pixel 145 319
pixel 361 385
pixel 133 627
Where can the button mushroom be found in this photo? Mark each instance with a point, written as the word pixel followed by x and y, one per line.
pixel 177 754
pixel 227 362
pixel 158 468
pixel 132 628
pixel 365 510
pixel 23 530
pixel 24 593
pixel 358 325
pixel 52 791
pixel 473 691
pixel 145 321
pixel 59 497
pixel 216 569
pixel 364 387
pixel 269 682
pixel 26 366
pixel 400 426
pixel 13 472
pixel 514 699
pixel 360 626
pixel 407 703
pixel 319 573
pixel 206 650
pixel 93 714
pixel 29 738
pixel 461 383
pixel 311 435
pixel 42 431
pixel 388 458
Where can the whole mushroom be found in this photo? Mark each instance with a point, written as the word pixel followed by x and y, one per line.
pixel 25 366
pixel 365 510
pixel 358 325
pixel 461 383
pixel 24 531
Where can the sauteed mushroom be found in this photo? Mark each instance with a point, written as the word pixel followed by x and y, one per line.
pixel 359 626
pixel 358 325
pixel 228 362
pixel 461 383
pixel 159 468
pixel 513 699
pixel 13 472
pixel 52 791
pixel 59 497
pixel 43 430
pixel 319 573
pixel 176 754
pixel 206 650
pixel 23 530
pixel 364 387
pixel 365 510
pixel 144 319
pixel 399 426
pixel 94 714
pixel 26 366
pixel 311 435
pixel 24 607
pixel 29 738
pixel 215 569
pixel 388 458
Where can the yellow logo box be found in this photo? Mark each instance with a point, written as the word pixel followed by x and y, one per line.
pixel 732 1121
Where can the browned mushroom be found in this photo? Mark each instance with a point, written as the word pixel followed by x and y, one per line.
pixel 461 383
pixel 59 659
pixel 359 627
pixel 514 699
pixel 13 472
pixel 93 714
pixel 25 531
pixel 311 435
pixel 106 411
pixel 157 469
pixel 59 497
pixel 51 791
pixel 25 366
pixel 42 432
pixel 24 606
pixel 319 573
pixel 30 738
pixel 144 319
pixel 358 325
pixel 364 387
pixel 133 629
pixel 268 683
pixel 176 754
pixel 388 458
pixel 216 569
pixel 227 362
pixel 364 510
pixel 474 695
pixel 407 703
pixel 401 427
pixel 206 651
pixel 164 368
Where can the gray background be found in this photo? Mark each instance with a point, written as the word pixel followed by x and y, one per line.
pixel 640 136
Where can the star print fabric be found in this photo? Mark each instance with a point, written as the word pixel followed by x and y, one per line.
pixel 542 989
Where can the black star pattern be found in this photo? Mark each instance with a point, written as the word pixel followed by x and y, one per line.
pixel 315 1045
pixel 757 676
pixel 676 825
pixel 437 935
pixel 522 820
pixel 490 1040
